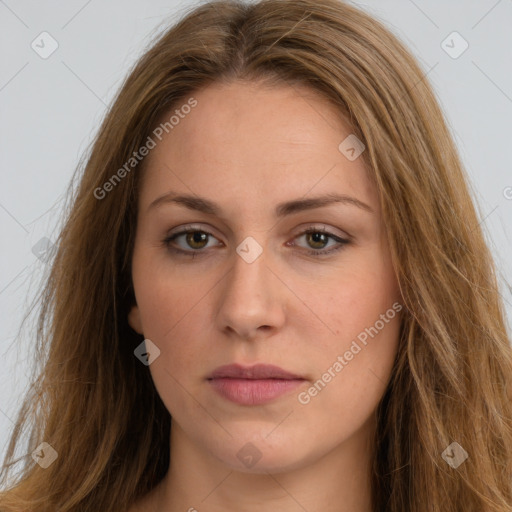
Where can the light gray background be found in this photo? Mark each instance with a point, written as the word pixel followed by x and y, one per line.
pixel 51 108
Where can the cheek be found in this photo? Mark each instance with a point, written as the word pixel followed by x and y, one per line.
pixel 170 313
pixel 353 361
pixel 165 298
pixel 351 378
pixel 355 298
pixel 170 310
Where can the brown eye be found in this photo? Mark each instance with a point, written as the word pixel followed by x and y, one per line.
pixel 195 241
pixel 317 240
pixel 196 237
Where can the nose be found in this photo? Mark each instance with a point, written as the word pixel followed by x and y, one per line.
pixel 251 301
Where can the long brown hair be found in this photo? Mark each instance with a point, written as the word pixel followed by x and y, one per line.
pixel 96 404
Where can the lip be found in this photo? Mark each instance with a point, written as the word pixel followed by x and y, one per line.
pixel 258 371
pixel 253 385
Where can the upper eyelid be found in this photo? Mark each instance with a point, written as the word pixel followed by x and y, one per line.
pixel 188 229
pixel 320 227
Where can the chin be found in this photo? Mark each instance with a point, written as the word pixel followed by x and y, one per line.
pixel 272 465
pixel 259 456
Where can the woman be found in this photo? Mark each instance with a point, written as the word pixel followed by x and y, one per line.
pixel 272 289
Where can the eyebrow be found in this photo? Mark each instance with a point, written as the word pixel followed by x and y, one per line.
pixel 193 202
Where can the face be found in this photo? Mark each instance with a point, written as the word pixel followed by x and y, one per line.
pixel 254 269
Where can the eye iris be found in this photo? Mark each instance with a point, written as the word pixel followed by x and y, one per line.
pixel 317 238
pixel 196 237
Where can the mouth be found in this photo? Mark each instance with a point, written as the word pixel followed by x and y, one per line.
pixel 253 385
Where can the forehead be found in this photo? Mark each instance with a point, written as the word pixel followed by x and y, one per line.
pixel 251 139
pixel 243 117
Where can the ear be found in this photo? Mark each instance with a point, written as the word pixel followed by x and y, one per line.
pixel 134 319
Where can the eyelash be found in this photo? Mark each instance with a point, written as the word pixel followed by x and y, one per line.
pixel 316 253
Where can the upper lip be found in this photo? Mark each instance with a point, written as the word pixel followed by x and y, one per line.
pixel 258 371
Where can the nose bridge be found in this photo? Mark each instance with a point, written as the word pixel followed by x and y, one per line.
pixel 249 299
pixel 247 282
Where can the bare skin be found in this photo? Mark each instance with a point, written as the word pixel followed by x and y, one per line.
pixel 248 148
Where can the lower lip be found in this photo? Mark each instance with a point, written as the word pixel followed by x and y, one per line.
pixel 253 391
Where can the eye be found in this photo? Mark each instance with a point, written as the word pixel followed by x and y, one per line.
pixel 196 241
pixel 318 238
